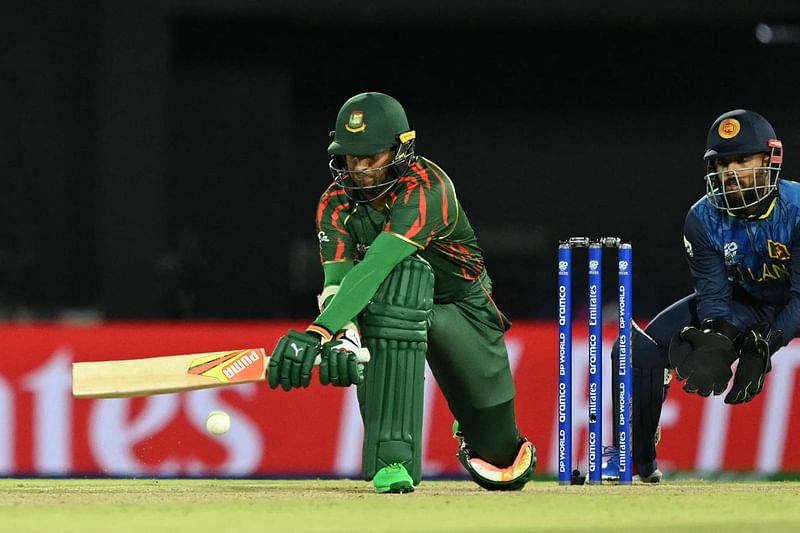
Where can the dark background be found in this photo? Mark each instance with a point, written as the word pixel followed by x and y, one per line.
pixel 164 159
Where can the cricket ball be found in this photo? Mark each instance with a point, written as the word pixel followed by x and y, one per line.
pixel 218 422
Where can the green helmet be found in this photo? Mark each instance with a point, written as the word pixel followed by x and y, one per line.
pixel 367 124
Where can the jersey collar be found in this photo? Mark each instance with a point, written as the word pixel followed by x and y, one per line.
pixel 761 216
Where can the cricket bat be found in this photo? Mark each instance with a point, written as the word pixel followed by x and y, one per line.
pixel 125 378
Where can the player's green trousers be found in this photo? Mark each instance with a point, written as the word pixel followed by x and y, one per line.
pixel 468 357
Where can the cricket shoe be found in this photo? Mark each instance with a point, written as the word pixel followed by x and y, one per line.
pixel 648 473
pixel 654 477
pixel 393 478
pixel 610 466
pixel 491 477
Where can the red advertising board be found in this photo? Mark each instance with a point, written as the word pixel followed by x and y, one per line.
pixel 317 431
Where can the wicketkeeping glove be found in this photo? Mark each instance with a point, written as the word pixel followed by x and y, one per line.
pixel 292 360
pixel 755 355
pixel 339 365
pixel 703 357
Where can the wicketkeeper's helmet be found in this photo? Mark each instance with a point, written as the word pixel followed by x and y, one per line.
pixel 368 124
pixel 741 133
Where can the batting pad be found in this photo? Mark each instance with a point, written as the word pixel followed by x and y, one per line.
pixel 394 328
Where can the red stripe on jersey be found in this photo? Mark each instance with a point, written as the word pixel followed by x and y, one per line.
pixel 339 250
pixel 423 174
pixel 325 202
pixel 465 254
pixel 444 195
pixel 419 223
pixel 337 214
pixel 327 196
pixel 461 255
pixel 412 185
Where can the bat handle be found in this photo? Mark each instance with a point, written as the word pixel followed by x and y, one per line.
pixel 362 355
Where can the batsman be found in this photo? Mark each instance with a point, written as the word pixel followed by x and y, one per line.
pixel 404 275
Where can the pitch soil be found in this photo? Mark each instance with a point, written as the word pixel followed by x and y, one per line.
pixel 196 506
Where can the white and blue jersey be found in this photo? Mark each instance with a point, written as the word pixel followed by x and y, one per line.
pixel 747 270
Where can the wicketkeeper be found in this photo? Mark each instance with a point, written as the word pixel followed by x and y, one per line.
pixel 742 243
pixel 404 275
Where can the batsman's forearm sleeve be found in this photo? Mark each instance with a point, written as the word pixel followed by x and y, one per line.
pixel 336 271
pixel 361 283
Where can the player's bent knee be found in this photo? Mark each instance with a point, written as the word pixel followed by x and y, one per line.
pixel 646 351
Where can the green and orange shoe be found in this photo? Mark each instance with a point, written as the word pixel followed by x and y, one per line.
pixel 393 478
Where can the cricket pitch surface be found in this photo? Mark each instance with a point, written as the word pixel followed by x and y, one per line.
pixel 244 506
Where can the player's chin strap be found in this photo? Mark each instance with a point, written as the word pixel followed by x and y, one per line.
pixel 491 477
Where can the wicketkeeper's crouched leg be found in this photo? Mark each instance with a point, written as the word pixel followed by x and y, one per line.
pixel 650 383
pixel 394 328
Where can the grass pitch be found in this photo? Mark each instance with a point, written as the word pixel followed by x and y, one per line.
pixel 244 506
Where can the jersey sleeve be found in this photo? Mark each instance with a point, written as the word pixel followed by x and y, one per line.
pixel 788 320
pixel 424 207
pixel 335 242
pixel 707 267
pixel 361 283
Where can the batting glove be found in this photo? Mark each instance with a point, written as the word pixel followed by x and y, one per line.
pixel 340 365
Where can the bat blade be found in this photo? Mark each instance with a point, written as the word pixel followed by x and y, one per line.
pixel 165 374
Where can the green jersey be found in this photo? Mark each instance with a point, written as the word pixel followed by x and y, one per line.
pixel 421 209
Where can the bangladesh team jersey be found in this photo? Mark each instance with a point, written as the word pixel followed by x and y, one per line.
pixel 422 209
